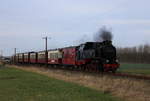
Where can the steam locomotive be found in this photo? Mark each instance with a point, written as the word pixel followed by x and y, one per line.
pixel 90 56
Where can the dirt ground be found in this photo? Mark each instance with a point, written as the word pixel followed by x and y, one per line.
pixel 125 88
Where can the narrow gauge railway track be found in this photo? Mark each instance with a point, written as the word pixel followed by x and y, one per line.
pixel 136 76
pixel 117 74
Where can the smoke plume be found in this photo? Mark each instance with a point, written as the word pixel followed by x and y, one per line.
pixel 82 39
pixel 103 34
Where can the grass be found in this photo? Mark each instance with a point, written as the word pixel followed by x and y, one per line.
pixel 127 89
pixel 135 68
pixel 19 85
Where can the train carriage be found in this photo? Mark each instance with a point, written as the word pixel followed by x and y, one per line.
pixel 33 57
pixel 55 56
pixel 15 58
pixel 69 56
pixel 42 57
pixel 20 57
pixel 26 57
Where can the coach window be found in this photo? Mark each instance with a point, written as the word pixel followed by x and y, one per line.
pixel 56 56
pixel 49 55
pixel 60 55
pixel 43 56
pixel 32 56
pixel 52 56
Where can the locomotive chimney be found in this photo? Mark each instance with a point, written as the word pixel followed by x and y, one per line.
pixel 107 42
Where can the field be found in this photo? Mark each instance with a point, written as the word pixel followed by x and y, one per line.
pixel 20 85
pixel 135 68
pixel 127 89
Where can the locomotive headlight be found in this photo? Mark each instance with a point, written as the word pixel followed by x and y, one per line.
pixel 107 61
pixel 117 60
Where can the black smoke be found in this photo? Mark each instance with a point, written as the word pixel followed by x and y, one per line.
pixel 82 39
pixel 103 35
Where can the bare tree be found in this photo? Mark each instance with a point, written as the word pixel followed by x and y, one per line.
pixel 140 54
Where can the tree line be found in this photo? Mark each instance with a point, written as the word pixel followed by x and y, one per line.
pixel 138 54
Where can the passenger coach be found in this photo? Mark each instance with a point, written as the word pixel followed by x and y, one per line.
pixel 55 56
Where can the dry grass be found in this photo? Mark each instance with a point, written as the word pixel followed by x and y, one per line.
pixel 125 88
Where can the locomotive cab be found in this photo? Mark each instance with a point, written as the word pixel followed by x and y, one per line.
pixel 86 51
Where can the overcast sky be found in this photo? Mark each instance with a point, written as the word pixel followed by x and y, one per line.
pixel 23 23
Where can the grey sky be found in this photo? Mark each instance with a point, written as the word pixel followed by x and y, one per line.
pixel 23 23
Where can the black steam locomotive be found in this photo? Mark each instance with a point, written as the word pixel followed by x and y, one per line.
pixel 100 55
